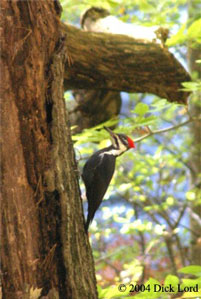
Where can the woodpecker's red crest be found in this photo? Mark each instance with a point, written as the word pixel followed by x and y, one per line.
pixel 131 142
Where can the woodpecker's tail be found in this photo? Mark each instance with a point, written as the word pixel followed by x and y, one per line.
pixel 86 227
pixel 90 217
pixel 87 224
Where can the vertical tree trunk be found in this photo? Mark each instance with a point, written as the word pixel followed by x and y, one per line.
pixel 44 247
pixel 195 151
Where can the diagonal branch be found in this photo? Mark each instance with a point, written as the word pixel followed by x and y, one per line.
pixel 121 63
pixel 151 133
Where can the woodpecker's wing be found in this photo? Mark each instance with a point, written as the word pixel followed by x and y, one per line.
pixel 97 174
pixel 99 167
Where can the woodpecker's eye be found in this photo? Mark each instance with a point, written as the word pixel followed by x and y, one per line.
pixel 123 139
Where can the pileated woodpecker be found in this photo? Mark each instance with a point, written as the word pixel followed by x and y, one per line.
pixel 99 169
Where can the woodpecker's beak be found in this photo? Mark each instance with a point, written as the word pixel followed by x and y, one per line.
pixel 110 131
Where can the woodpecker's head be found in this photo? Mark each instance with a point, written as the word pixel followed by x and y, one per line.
pixel 120 142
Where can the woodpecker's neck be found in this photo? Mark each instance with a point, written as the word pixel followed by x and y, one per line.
pixel 114 151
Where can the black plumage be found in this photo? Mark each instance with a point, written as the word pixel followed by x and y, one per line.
pixel 97 174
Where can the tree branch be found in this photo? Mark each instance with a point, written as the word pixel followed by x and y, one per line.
pixel 151 133
pixel 121 63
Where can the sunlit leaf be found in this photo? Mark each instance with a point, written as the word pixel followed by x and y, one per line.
pixel 192 269
pixel 111 292
pixel 170 201
pixel 141 109
pixel 194 31
pixel 190 195
pixel 173 281
pixel 178 38
pixel 192 86
pixel 152 291
pixel 192 294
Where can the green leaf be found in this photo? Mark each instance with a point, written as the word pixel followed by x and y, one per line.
pixel 125 187
pixel 192 269
pixel 112 292
pixel 173 281
pixel 194 31
pixel 94 134
pixel 192 86
pixel 170 201
pixel 190 195
pixel 194 295
pixel 141 109
pixel 178 38
pixel 160 105
pixel 140 121
pixel 151 294
pixel 192 288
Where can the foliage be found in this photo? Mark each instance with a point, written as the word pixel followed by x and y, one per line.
pixel 152 288
pixel 141 235
pixel 190 34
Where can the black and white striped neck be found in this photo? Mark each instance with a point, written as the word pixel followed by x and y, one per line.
pixel 114 151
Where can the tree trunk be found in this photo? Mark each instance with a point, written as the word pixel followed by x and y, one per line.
pixel 44 248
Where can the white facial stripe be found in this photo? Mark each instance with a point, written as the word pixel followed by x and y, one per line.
pixel 121 145
pixel 116 152
pixel 115 141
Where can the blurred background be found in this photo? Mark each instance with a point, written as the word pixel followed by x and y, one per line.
pixel 148 228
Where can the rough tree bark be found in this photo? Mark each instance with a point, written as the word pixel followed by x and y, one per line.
pixel 44 247
pixel 121 63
